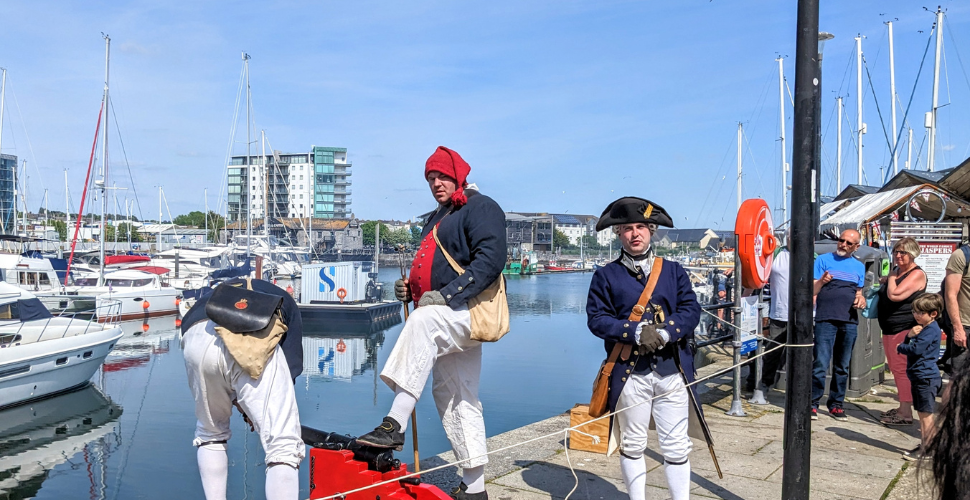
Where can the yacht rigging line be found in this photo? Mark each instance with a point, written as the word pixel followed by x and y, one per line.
pixel 30 146
pixel 232 136
pixel 963 69
pixel 912 94
pixel 127 165
pixel 882 121
pixel 87 180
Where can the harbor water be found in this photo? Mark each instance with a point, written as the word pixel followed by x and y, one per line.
pixel 130 434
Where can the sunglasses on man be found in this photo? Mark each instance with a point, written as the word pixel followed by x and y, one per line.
pixel 847 242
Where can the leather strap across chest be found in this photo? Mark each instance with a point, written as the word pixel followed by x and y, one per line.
pixel 620 350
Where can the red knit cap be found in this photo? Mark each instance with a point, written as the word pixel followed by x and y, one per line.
pixel 450 163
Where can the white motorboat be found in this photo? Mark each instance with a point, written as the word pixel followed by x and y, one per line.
pixel 141 294
pixel 42 354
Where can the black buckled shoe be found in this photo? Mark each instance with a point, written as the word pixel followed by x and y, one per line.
pixel 386 435
pixel 461 493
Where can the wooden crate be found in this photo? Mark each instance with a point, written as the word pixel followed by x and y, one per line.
pixel 601 428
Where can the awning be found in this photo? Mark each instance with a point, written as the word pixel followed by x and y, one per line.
pixel 152 269
pixel 926 206
pixel 125 259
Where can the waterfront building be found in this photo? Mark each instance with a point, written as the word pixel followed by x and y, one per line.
pixel 8 169
pixel 312 184
pixel 527 232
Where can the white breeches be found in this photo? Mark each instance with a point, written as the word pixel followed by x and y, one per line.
pixel 270 402
pixel 437 340
pixel 670 413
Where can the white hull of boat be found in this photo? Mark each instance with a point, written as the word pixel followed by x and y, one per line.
pixel 160 303
pixel 38 369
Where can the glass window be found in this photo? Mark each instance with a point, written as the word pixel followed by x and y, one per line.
pixel 234 189
pixel 237 161
pixel 301 177
pixel 301 196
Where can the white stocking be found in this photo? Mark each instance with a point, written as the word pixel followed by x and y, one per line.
pixel 282 482
pixel 402 407
pixel 474 478
pixel 635 476
pixel 678 480
pixel 214 469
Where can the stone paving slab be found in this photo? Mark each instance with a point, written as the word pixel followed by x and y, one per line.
pixel 860 459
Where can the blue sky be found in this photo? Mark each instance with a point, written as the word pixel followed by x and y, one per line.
pixel 558 106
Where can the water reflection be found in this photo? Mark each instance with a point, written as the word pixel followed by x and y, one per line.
pixel 340 358
pixel 548 295
pixel 35 438
pixel 142 339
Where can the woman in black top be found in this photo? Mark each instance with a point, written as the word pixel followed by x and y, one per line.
pixel 904 283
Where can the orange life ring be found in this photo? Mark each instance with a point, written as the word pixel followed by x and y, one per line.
pixel 756 242
pixel 341 294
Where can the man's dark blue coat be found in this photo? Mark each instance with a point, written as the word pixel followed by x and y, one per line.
pixel 614 291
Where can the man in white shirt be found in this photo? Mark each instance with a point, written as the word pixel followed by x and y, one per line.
pixel 777 317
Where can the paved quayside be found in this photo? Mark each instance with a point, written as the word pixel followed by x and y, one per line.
pixel 858 459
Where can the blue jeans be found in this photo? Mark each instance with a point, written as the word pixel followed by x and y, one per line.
pixel 838 338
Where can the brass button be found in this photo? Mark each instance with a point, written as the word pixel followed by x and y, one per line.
pixel 632 363
pixel 422 255
pixel 624 335
pixel 627 325
pixel 628 372
pixel 671 322
pixel 636 353
pixel 449 296
pixel 459 289
pixel 623 379
pixel 639 276
pixel 471 279
pixel 678 330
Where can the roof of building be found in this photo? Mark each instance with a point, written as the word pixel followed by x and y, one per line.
pixel 907 178
pixel 957 181
pixel 565 219
pixel 855 190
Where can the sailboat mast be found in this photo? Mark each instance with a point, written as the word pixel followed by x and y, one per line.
pixel 838 148
pixel 67 207
pixel 205 195
pixel 249 160
pixel 3 92
pixel 892 97
pixel 104 158
pixel 858 89
pixel 159 244
pixel 909 146
pixel 739 165
pixel 931 118
pixel 265 179
pixel 781 113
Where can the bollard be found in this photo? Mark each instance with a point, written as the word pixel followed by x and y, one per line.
pixel 758 398
pixel 737 410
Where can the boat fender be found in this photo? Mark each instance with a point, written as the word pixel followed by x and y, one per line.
pixel 755 242
pixel 145 305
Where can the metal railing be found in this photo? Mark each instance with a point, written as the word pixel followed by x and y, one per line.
pixel 104 315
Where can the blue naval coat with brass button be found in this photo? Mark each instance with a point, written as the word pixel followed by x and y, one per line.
pixel 614 291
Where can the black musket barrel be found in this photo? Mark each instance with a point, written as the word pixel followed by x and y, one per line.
pixel 798 424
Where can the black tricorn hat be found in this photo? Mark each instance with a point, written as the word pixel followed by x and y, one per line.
pixel 631 210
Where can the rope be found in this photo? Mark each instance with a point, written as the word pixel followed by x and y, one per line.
pixel 564 432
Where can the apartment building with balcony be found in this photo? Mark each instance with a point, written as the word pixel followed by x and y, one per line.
pixel 312 184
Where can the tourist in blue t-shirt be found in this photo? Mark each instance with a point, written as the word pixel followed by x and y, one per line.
pixel 839 278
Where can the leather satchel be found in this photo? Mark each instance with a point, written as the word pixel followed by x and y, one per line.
pixel 489 309
pixel 599 402
pixel 249 324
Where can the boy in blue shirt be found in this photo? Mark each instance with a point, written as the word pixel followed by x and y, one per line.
pixel 922 348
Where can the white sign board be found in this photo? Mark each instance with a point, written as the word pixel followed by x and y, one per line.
pixel 932 259
pixel 749 324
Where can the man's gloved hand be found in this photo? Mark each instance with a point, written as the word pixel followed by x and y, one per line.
pixel 432 298
pixel 402 291
pixel 650 338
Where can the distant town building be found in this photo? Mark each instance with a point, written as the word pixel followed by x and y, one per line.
pixel 527 232
pixel 327 234
pixel 312 184
pixel 8 168
pixel 571 226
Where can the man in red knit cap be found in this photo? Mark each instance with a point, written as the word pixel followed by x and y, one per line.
pixel 437 337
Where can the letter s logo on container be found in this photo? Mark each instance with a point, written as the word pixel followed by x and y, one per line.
pixel 326 279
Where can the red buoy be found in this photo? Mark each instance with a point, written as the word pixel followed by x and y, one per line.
pixel 756 242
pixel 145 305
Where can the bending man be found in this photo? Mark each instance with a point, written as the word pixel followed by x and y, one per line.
pixel 268 402
pixel 655 361
pixel 437 337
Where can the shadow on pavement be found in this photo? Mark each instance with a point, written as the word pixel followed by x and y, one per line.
pixel 556 480
pixel 859 437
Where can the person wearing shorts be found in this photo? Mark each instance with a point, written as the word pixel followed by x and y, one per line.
pixel 922 347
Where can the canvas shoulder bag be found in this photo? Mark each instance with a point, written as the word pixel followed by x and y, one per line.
pixel 249 324
pixel 489 309
pixel 599 403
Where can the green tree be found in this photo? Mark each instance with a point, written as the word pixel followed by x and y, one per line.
pixel 123 232
pixel 367 229
pixel 197 219
pixel 416 236
pixel 590 242
pixel 394 237
pixel 61 228
pixel 560 240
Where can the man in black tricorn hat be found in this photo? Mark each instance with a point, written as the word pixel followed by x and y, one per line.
pixel 650 332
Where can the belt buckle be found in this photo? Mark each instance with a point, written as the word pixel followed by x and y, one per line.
pixel 639 310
